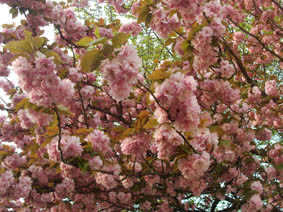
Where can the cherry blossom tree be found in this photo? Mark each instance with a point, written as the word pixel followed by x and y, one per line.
pixel 179 109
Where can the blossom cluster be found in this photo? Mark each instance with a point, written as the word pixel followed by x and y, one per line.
pixel 178 102
pixel 178 110
pixel 122 72
pixel 40 82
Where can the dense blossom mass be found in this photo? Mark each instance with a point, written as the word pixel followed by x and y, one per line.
pixel 175 107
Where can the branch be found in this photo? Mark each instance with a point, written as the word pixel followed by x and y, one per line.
pixel 83 107
pixel 169 116
pixel 260 42
pixel 187 142
pixel 277 4
pixel 122 206
pixel 6 109
pixel 60 136
pixel 23 12
pixel 111 114
pixel 3 100
pixel 214 205
pixel 156 100
pixel 140 174
pixel 66 39
pixel 160 41
pixel 239 63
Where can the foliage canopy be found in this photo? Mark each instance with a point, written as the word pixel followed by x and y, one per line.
pixel 179 108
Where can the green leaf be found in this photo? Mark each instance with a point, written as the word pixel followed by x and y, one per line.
pixel 177 158
pixel 46 142
pixel 119 129
pixel 148 19
pixel 55 55
pixel 196 28
pixel 85 41
pixel 186 149
pixel 3 154
pixel 97 41
pixel 158 74
pixel 14 11
pixel 225 143
pixel 21 46
pixel 22 104
pixel 149 2
pixel 120 39
pixel 152 123
pixel 28 45
pixel 96 32
pixel 279 167
pixel 128 132
pixel 143 15
pixel 185 45
pixel 35 42
pixel 143 113
pixel 63 110
pixel 33 147
pixel 169 41
pixel 91 60
pixel 107 49
pixel 38 42
pixel 83 165
pixel 83 131
pixel 52 130
pixel 218 129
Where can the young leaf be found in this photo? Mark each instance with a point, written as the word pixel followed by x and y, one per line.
pixel 91 60
pixel 85 41
pixel 22 104
pixel 55 55
pixel 152 123
pixel 158 74
pixel 120 39
pixel 21 46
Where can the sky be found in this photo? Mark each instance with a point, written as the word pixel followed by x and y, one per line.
pixel 5 17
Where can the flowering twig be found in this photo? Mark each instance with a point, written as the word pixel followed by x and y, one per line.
pixel 259 41
pixel 59 135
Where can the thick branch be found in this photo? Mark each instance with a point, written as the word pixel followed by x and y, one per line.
pixel 214 205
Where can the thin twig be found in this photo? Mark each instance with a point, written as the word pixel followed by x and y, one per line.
pixel 259 41
pixel 59 135
pixel 111 114
pixel 66 39
pixel 22 10
pixel 83 107
pixel 169 116
pixel 239 63
pixel 277 4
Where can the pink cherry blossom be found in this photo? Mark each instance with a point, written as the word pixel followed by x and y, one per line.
pixel 132 28
pixel 270 88
pixel 121 72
